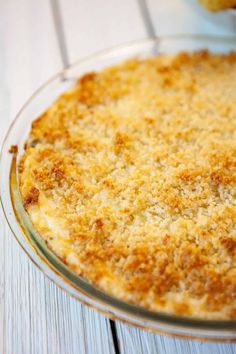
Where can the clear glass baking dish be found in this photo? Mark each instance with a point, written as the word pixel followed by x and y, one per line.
pixel 31 241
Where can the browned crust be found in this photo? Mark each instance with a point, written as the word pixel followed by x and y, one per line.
pixel 13 149
pixel 31 198
pixel 137 167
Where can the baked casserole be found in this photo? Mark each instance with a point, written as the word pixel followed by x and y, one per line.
pixel 130 178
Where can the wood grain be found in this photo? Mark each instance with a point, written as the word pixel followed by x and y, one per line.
pixel 93 25
pixel 35 316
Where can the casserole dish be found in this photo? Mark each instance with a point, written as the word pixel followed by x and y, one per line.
pixel 31 241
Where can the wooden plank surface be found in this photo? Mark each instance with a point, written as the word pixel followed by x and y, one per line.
pixel 35 316
pixel 93 25
pixel 195 20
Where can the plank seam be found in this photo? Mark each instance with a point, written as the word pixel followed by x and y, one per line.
pixel 143 7
pixel 114 336
pixel 59 28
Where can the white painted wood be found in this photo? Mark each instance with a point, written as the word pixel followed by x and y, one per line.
pixel 93 25
pixel 35 316
pixel 133 340
pixel 30 51
pixel 191 19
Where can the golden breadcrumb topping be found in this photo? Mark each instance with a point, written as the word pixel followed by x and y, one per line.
pixel 218 5
pixel 130 178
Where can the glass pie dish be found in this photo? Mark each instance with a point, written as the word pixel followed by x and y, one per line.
pixel 33 244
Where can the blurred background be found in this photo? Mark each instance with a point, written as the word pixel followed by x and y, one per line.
pixel 37 39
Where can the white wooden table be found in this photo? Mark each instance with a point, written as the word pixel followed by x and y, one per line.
pixel 38 38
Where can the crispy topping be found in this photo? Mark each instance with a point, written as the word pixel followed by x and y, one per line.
pixel 13 149
pixel 130 178
pixel 31 197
